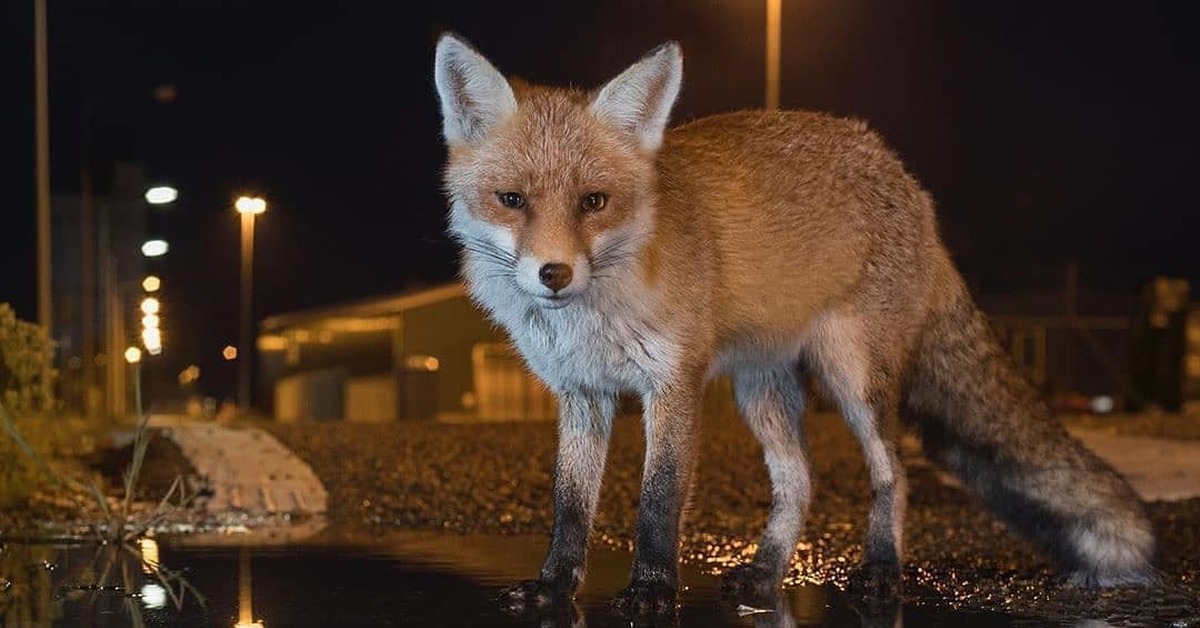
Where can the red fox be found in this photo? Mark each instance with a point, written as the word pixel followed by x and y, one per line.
pixel 771 246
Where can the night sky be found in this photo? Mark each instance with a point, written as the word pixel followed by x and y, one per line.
pixel 1046 131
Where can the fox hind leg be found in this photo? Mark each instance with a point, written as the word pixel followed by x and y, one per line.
pixel 867 391
pixel 772 402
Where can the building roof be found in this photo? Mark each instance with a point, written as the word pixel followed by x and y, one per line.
pixel 367 308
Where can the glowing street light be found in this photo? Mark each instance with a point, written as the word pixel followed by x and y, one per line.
pixel 152 340
pixel 248 207
pixel 151 283
pixel 150 305
pixel 161 195
pixel 229 353
pixel 150 321
pixel 133 355
pixel 154 248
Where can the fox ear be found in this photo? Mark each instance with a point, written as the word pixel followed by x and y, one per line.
pixel 639 100
pixel 475 97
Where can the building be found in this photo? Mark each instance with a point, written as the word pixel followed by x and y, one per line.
pixel 96 273
pixel 431 354
pixel 419 355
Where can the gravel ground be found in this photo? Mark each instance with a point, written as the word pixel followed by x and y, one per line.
pixel 496 478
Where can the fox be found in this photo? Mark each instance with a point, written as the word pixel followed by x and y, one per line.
pixel 774 247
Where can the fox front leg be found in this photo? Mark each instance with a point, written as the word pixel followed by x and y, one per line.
pixel 584 427
pixel 670 424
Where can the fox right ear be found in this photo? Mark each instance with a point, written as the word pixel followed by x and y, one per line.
pixel 639 100
pixel 475 97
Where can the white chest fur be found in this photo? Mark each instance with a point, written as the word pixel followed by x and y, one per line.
pixel 606 341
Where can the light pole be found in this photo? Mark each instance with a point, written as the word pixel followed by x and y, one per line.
pixel 42 166
pixel 774 18
pixel 248 207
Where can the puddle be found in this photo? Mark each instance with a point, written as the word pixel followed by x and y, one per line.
pixel 409 580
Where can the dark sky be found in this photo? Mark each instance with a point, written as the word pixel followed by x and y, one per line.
pixel 1046 131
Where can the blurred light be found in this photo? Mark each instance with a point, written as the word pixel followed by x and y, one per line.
pixel 248 624
pixel 272 342
pixel 229 352
pixel 250 205
pixel 133 355
pixel 149 549
pixel 154 248
pixel 152 340
pixel 150 305
pixel 161 195
pixel 165 94
pixel 1103 404
pixel 189 375
pixel 150 321
pixel 421 363
pixel 154 595
pixel 151 283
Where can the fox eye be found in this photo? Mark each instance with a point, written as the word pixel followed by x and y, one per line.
pixel 511 200
pixel 594 202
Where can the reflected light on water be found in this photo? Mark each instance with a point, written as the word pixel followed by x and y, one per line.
pixel 154 595
pixel 149 550
pixel 245 610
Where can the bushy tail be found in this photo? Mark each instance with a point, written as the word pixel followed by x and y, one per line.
pixel 979 417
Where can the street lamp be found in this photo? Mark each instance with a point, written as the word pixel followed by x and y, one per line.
pixel 154 248
pixel 248 207
pixel 161 195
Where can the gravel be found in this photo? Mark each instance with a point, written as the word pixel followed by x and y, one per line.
pixel 496 478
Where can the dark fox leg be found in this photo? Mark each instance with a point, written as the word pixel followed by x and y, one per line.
pixel 584 426
pixel 874 422
pixel 771 401
pixel 670 424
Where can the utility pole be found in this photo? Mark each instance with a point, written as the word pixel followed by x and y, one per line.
pixel 87 272
pixel 42 115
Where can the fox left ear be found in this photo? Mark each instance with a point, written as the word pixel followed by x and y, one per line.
pixel 475 96
pixel 639 100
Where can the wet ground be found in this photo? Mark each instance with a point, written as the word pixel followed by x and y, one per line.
pixel 495 479
pixel 408 580
pixel 430 520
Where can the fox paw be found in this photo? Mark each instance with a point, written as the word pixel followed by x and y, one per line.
pixel 877 584
pixel 642 599
pixel 750 583
pixel 532 595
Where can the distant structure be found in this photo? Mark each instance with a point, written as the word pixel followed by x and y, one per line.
pixel 423 354
pixel 430 354
pixel 97 269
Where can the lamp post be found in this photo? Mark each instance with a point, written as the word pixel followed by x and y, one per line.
pixel 774 18
pixel 249 207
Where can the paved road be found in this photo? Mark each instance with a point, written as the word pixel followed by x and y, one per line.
pixel 1157 468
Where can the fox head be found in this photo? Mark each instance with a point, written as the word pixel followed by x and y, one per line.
pixel 551 189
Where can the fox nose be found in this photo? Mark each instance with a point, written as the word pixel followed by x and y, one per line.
pixel 555 276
